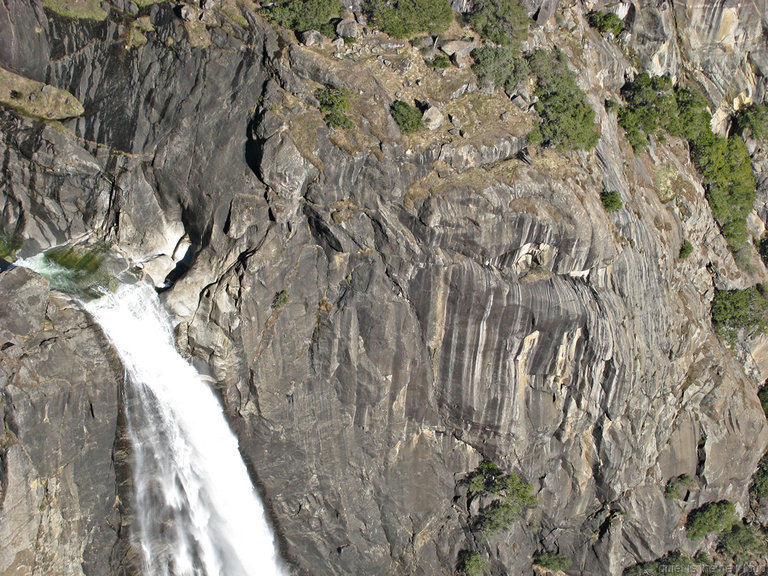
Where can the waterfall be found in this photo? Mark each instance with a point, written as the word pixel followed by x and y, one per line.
pixel 196 512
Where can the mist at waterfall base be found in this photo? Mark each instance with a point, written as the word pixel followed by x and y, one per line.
pixel 195 512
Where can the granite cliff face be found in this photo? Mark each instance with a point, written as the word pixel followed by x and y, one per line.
pixel 447 300
pixel 61 410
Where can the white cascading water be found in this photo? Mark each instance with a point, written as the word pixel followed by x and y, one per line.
pixel 196 512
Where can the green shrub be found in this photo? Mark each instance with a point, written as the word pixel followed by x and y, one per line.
pixel 631 120
pixel 672 563
pixel 336 119
pixel 485 477
pixel 503 513
pixel 334 101
pixel 408 117
pixel 499 516
pixel 763 249
pixel 514 495
pixel 752 120
pixel 759 488
pixel 650 110
pixel 642 569
pixel 503 22
pixel 711 517
pixel 726 170
pixel 333 98
pixel 567 120
pixel 328 29
pixel 762 393
pixel 515 490
pixel 439 62
pixel 612 106
pixel 611 201
pixel 605 21
pixel 734 310
pixel 551 561
pixel 693 118
pixel 742 543
pixel 501 67
pixel 401 18
pixel 472 563
pixel 489 478
pixel 534 137
pixel 702 559
pixel 685 250
pixel 280 300
pixel 676 487
pixel 476 484
pixel 302 15
pixel 654 107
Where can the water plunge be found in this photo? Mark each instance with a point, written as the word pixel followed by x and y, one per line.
pixel 196 513
pixel 195 510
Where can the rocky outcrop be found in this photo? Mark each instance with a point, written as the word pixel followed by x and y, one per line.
pixel 448 298
pixel 720 46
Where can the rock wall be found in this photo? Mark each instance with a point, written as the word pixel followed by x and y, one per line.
pixel 61 511
pixel 447 301
pixel 721 46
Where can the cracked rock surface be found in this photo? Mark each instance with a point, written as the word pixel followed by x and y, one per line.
pixel 447 301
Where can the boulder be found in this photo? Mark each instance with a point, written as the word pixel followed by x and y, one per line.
pixel 24 301
pixel 347 28
pixel 190 13
pixel 286 173
pixel 432 118
pixel 311 38
pixel 461 49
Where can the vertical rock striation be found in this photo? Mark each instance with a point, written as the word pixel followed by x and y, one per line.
pixel 60 405
pixel 378 313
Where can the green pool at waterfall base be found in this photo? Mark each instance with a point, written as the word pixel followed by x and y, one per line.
pixel 76 270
